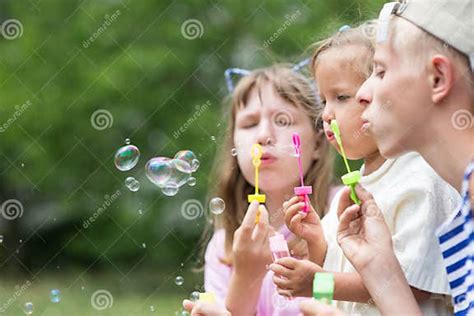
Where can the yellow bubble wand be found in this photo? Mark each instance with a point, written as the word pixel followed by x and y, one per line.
pixel 256 153
pixel 351 178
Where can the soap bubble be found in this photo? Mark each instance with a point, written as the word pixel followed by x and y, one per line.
pixel 177 176
pixel 127 141
pixel 127 157
pixel 233 152
pixel 170 189
pixel 143 245
pixel 132 184
pixel 192 181
pixel 182 165
pixel 54 296
pixel 152 308
pixel 189 157
pixel 1 239
pixel 28 308
pixel 179 280
pixel 158 170
pixel 217 205
pixel 194 296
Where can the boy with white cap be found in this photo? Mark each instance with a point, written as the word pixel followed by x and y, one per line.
pixel 420 97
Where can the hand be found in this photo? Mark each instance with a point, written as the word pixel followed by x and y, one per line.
pixel 306 226
pixel 294 277
pixel 314 308
pixel 362 234
pixel 303 225
pixel 204 309
pixel 251 250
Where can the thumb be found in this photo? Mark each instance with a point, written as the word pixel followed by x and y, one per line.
pixel 188 305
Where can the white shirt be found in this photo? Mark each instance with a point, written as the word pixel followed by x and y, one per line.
pixel 414 201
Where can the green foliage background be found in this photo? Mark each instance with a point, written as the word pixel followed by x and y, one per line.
pixel 150 78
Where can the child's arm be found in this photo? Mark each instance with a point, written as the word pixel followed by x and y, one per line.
pixel 251 254
pixel 306 226
pixel 294 277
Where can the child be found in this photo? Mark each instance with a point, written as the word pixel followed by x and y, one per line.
pixel 411 195
pixel 420 97
pixel 268 106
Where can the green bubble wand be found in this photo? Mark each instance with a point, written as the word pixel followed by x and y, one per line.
pixel 351 178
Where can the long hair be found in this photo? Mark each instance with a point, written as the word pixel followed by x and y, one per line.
pixel 229 182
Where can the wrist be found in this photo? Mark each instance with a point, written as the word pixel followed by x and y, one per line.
pixel 317 251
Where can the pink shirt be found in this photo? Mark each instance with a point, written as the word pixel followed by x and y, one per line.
pixel 217 278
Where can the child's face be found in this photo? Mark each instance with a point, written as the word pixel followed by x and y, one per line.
pixel 271 121
pixel 338 81
pixel 395 98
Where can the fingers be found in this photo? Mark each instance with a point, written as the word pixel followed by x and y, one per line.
pixel 296 220
pixel 281 283
pixel 249 219
pixel 260 232
pixel 349 214
pixel 287 262
pixel 208 309
pixel 344 201
pixel 314 308
pixel 188 305
pixel 280 270
pixel 292 210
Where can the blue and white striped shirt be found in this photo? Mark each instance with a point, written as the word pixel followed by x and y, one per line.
pixel 456 239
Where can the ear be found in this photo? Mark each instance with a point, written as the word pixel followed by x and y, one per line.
pixel 317 152
pixel 441 77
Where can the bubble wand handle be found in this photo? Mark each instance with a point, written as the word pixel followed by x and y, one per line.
pixel 302 190
pixel 256 153
pixel 351 178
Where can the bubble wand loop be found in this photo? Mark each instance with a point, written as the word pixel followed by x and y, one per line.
pixel 256 153
pixel 301 190
pixel 351 178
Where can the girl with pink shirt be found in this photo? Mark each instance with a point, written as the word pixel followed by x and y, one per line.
pixel 267 106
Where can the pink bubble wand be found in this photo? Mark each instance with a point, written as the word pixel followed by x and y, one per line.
pixel 302 190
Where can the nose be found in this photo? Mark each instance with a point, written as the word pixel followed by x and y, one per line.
pixel 328 113
pixel 364 95
pixel 265 133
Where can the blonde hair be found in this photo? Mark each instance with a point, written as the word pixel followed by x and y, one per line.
pixel 363 36
pixel 230 183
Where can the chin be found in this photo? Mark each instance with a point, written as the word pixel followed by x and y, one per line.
pixel 392 150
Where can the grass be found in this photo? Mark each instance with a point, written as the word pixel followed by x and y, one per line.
pixel 139 294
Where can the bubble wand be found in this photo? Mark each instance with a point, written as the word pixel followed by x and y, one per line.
pixel 351 178
pixel 256 153
pixel 302 190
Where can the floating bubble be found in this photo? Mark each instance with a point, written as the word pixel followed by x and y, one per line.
pixel 140 212
pixel 127 141
pixel 152 308
pixel 178 177
pixel 1 239
pixel 192 181
pixel 182 165
pixel 233 152
pixel 217 205
pixel 158 170
pixel 28 308
pixel 179 280
pixel 195 165
pixel 213 138
pixel 170 189
pixel 132 184
pixel 194 296
pixel 189 157
pixel 127 157
pixel 54 296
pixel 143 245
